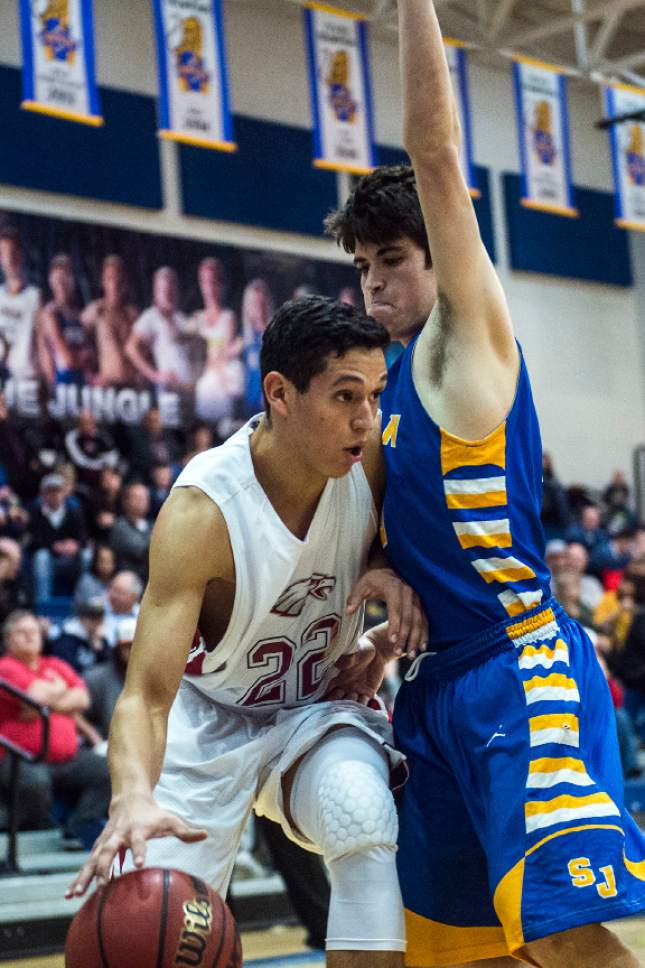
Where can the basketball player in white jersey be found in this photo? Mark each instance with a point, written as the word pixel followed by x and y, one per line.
pixel 19 308
pixel 259 547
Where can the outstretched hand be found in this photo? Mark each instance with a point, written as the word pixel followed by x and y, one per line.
pixel 133 821
pixel 407 623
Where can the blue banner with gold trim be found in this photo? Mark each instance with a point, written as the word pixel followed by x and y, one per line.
pixel 627 140
pixel 59 76
pixel 340 89
pixel 543 129
pixel 193 79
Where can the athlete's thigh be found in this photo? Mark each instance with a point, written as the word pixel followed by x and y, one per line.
pixel 209 778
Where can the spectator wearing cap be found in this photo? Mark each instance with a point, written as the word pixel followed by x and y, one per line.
pixel 555 555
pixel 78 775
pixel 80 640
pixel 57 538
pixel 124 595
pixel 105 682
pixel 130 535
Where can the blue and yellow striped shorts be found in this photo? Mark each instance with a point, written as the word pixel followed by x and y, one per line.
pixel 512 824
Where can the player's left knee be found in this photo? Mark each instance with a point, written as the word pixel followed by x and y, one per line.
pixel 357 812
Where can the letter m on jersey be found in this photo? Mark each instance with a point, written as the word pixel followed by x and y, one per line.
pixel 391 432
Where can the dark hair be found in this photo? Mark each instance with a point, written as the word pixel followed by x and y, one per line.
pixel 303 333
pixel 383 207
pixel 9 232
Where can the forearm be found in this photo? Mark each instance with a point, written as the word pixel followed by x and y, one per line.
pixel 136 746
pixel 430 123
pixel 71 702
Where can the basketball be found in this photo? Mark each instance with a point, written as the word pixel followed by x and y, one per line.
pixel 154 918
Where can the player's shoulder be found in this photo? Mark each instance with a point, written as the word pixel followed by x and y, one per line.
pixel 190 538
pixel 221 472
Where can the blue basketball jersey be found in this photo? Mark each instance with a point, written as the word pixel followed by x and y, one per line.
pixel 461 519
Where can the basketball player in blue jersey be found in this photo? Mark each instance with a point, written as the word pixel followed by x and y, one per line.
pixel 514 841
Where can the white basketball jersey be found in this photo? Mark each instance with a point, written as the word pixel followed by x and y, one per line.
pixel 17 321
pixel 288 625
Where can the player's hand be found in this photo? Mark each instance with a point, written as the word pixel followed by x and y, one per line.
pixel 133 821
pixel 355 679
pixel 407 623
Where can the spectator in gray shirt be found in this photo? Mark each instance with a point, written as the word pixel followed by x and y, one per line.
pixel 130 534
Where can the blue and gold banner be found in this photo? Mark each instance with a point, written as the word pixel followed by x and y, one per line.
pixel 193 83
pixel 628 154
pixel 543 128
pixel 341 99
pixel 457 62
pixel 59 76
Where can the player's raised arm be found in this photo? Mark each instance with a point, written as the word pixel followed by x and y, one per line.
pixel 472 302
pixel 190 547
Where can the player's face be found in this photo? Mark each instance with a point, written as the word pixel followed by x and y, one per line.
pixel 165 290
pixel 10 256
pixel 398 288
pixel 113 280
pixel 210 280
pixel 61 283
pixel 331 422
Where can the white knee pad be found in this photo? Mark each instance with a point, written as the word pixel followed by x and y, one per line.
pixel 341 801
pixel 356 810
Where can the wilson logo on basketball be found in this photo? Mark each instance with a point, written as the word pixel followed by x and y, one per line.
pixel 198 921
pixel 292 601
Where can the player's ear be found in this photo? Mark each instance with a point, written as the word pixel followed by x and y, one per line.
pixel 276 388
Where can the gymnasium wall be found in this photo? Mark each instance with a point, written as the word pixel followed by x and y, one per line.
pixel 584 341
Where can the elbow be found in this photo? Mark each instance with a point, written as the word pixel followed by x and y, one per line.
pixel 432 154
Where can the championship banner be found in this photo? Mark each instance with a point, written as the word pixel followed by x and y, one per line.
pixel 543 127
pixel 193 83
pixel 341 99
pixel 457 62
pixel 58 72
pixel 628 154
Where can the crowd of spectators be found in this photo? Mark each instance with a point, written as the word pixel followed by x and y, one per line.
pixel 596 553
pixel 77 507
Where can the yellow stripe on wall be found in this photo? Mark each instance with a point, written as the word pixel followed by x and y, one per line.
pixel 456 452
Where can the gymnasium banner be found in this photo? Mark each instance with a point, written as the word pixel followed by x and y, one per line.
pixel 193 81
pixel 340 90
pixel 118 321
pixel 58 72
pixel 627 139
pixel 543 128
pixel 457 62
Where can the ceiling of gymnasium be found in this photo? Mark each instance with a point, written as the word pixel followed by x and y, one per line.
pixel 595 38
